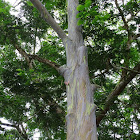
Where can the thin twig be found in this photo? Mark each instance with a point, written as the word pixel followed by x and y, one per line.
pixel 122 15
pixel 128 69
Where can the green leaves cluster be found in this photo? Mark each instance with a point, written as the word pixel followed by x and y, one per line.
pixel 86 5
pixel 31 92
pixel 4 8
pixel 89 10
pixel 82 11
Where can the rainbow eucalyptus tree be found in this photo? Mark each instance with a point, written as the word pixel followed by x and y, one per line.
pixel 116 46
pixel 80 118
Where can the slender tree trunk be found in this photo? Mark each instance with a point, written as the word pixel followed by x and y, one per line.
pixel 81 120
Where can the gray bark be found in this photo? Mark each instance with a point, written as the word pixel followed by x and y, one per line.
pixel 81 120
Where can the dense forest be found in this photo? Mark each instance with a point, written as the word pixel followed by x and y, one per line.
pixel 70 69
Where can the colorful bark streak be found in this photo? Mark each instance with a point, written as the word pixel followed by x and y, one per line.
pixel 78 85
pixel 84 58
pixel 72 94
pixel 66 46
pixel 81 121
pixel 89 108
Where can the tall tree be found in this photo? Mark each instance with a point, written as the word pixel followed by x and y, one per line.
pixel 89 25
pixel 81 121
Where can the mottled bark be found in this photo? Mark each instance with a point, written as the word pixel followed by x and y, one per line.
pixel 81 121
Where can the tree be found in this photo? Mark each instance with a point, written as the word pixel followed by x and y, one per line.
pixel 89 26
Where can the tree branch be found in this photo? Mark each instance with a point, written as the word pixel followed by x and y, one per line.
pixel 115 93
pixel 46 61
pixel 17 4
pixel 23 134
pixel 132 16
pixel 136 36
pixel 49 19
pixel 75 31
pixel 30 57
pixel 22 52
pixel 23 129
pixel 7 124
pixel 123 18
pixel 127 69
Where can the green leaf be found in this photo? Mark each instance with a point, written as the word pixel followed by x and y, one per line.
pixel 31 70
pixel 80 7
pixel 29 3
pixel 19 70
pixel 88 3
pixel 20 74
pixel 78 15
pixel 80 22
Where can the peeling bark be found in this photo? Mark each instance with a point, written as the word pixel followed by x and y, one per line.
pixel 81 120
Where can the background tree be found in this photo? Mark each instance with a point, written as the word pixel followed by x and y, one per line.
pixel 32 83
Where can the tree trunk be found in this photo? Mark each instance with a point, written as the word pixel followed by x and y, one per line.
pixel 81 120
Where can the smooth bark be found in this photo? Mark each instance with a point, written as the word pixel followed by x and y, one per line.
pixel 81 120
pixel 49 19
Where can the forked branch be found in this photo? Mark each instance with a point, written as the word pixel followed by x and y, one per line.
pixel 29 58
pixel 122 15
